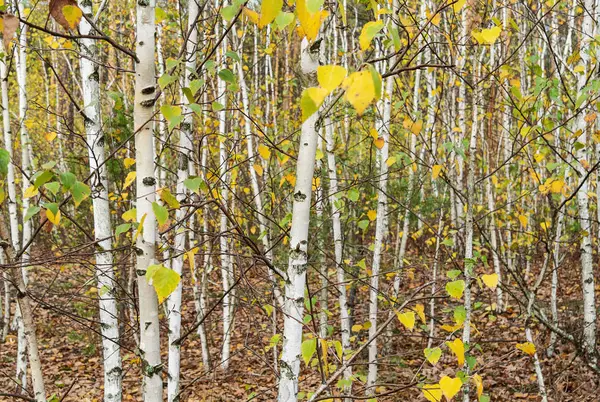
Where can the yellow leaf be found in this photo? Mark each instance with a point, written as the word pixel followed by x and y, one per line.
pixel 433 355
pixel 458 5
pixel 407 319
pixel 129 179
pixel 458 348
pixel 451 328
pixel 330 77
pixel 50 136
pixel 435 171
pixel 72 15
pixel 379 142
pixel 317 95
pixel 557 186
pixel 252 15
pixel 140 228
pixel 432 392
pixel 258 169
pixel 356 328
pixel 487 36
pixel 191 260
pixel 360 90
pixel 369 30
pixel 264 152
pixel 130 215
pixel 416 127
pixel 490 280
pixel 372 215
pixel 478 384
pixel 55 219
pixel 527 347
pixel 523 220
pixel 420 309
pixel 269 9
pixel 30 192
pixel 450 386
pixel 128 162
pixel 310 22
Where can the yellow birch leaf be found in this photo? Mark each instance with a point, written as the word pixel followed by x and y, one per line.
pixel 557 186
pixel 458 5
pixel 129 179
pixel 269 9
pixel 490 280
pixel 140 228
pixel 128 162
pixel 450 386
pixel 252 15
pixel 527 347
pixel 420 309
pixel 50 136
pixel 379 142
pixel 264 152
pixel 478 384
pixel 416 127
pixel 372 215
pixel 407 319
pixel 360 90
pixel 390 161
pixel 330 77
pixel 458 348
pixel 487 36
pixel 72 14
pixel 30 192
pixel 369 30
pixel 435 171
pixel 258 169
pixel 55 219
pixel 432 392
pixel 310 22
pixel 523 220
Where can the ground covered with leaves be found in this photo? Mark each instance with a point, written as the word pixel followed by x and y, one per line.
pixel 67 328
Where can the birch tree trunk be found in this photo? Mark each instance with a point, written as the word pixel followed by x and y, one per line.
pixel 145 95
pixel 298 258
pixel 109 324
pixel 186 153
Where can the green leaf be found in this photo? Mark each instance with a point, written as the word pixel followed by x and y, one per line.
pixel 31 211
pixel 4 161
pixel 284 19
pixel 195 86
pixel 229 12
pixel 53 187
pixel 165 80
pixel 233 55
pixel 80 192
pixel 39 179
pixel 353 194
pixel 308 348
pixel 453 274
pixel 172 114
pixel 122 228
pixel 227 76
pixel 67 179
pixel 217 107
pixel 193 184
pixel 163 279
pixel 161 213
pixel 455 289
pixel 314 5
pixel 53 207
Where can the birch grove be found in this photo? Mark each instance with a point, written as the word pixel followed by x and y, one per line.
pixel 299 201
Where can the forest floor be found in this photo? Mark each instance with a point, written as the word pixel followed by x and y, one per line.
pixel 71 356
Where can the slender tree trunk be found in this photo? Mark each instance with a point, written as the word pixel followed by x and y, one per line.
pixel 102 225
pixel 145 93
pixel 298 258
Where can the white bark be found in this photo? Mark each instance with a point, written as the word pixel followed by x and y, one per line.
pixel 296 273
pixel 338 250
pixel 102 220
pixel 587 268
pixel 185 156
pixel 145 92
